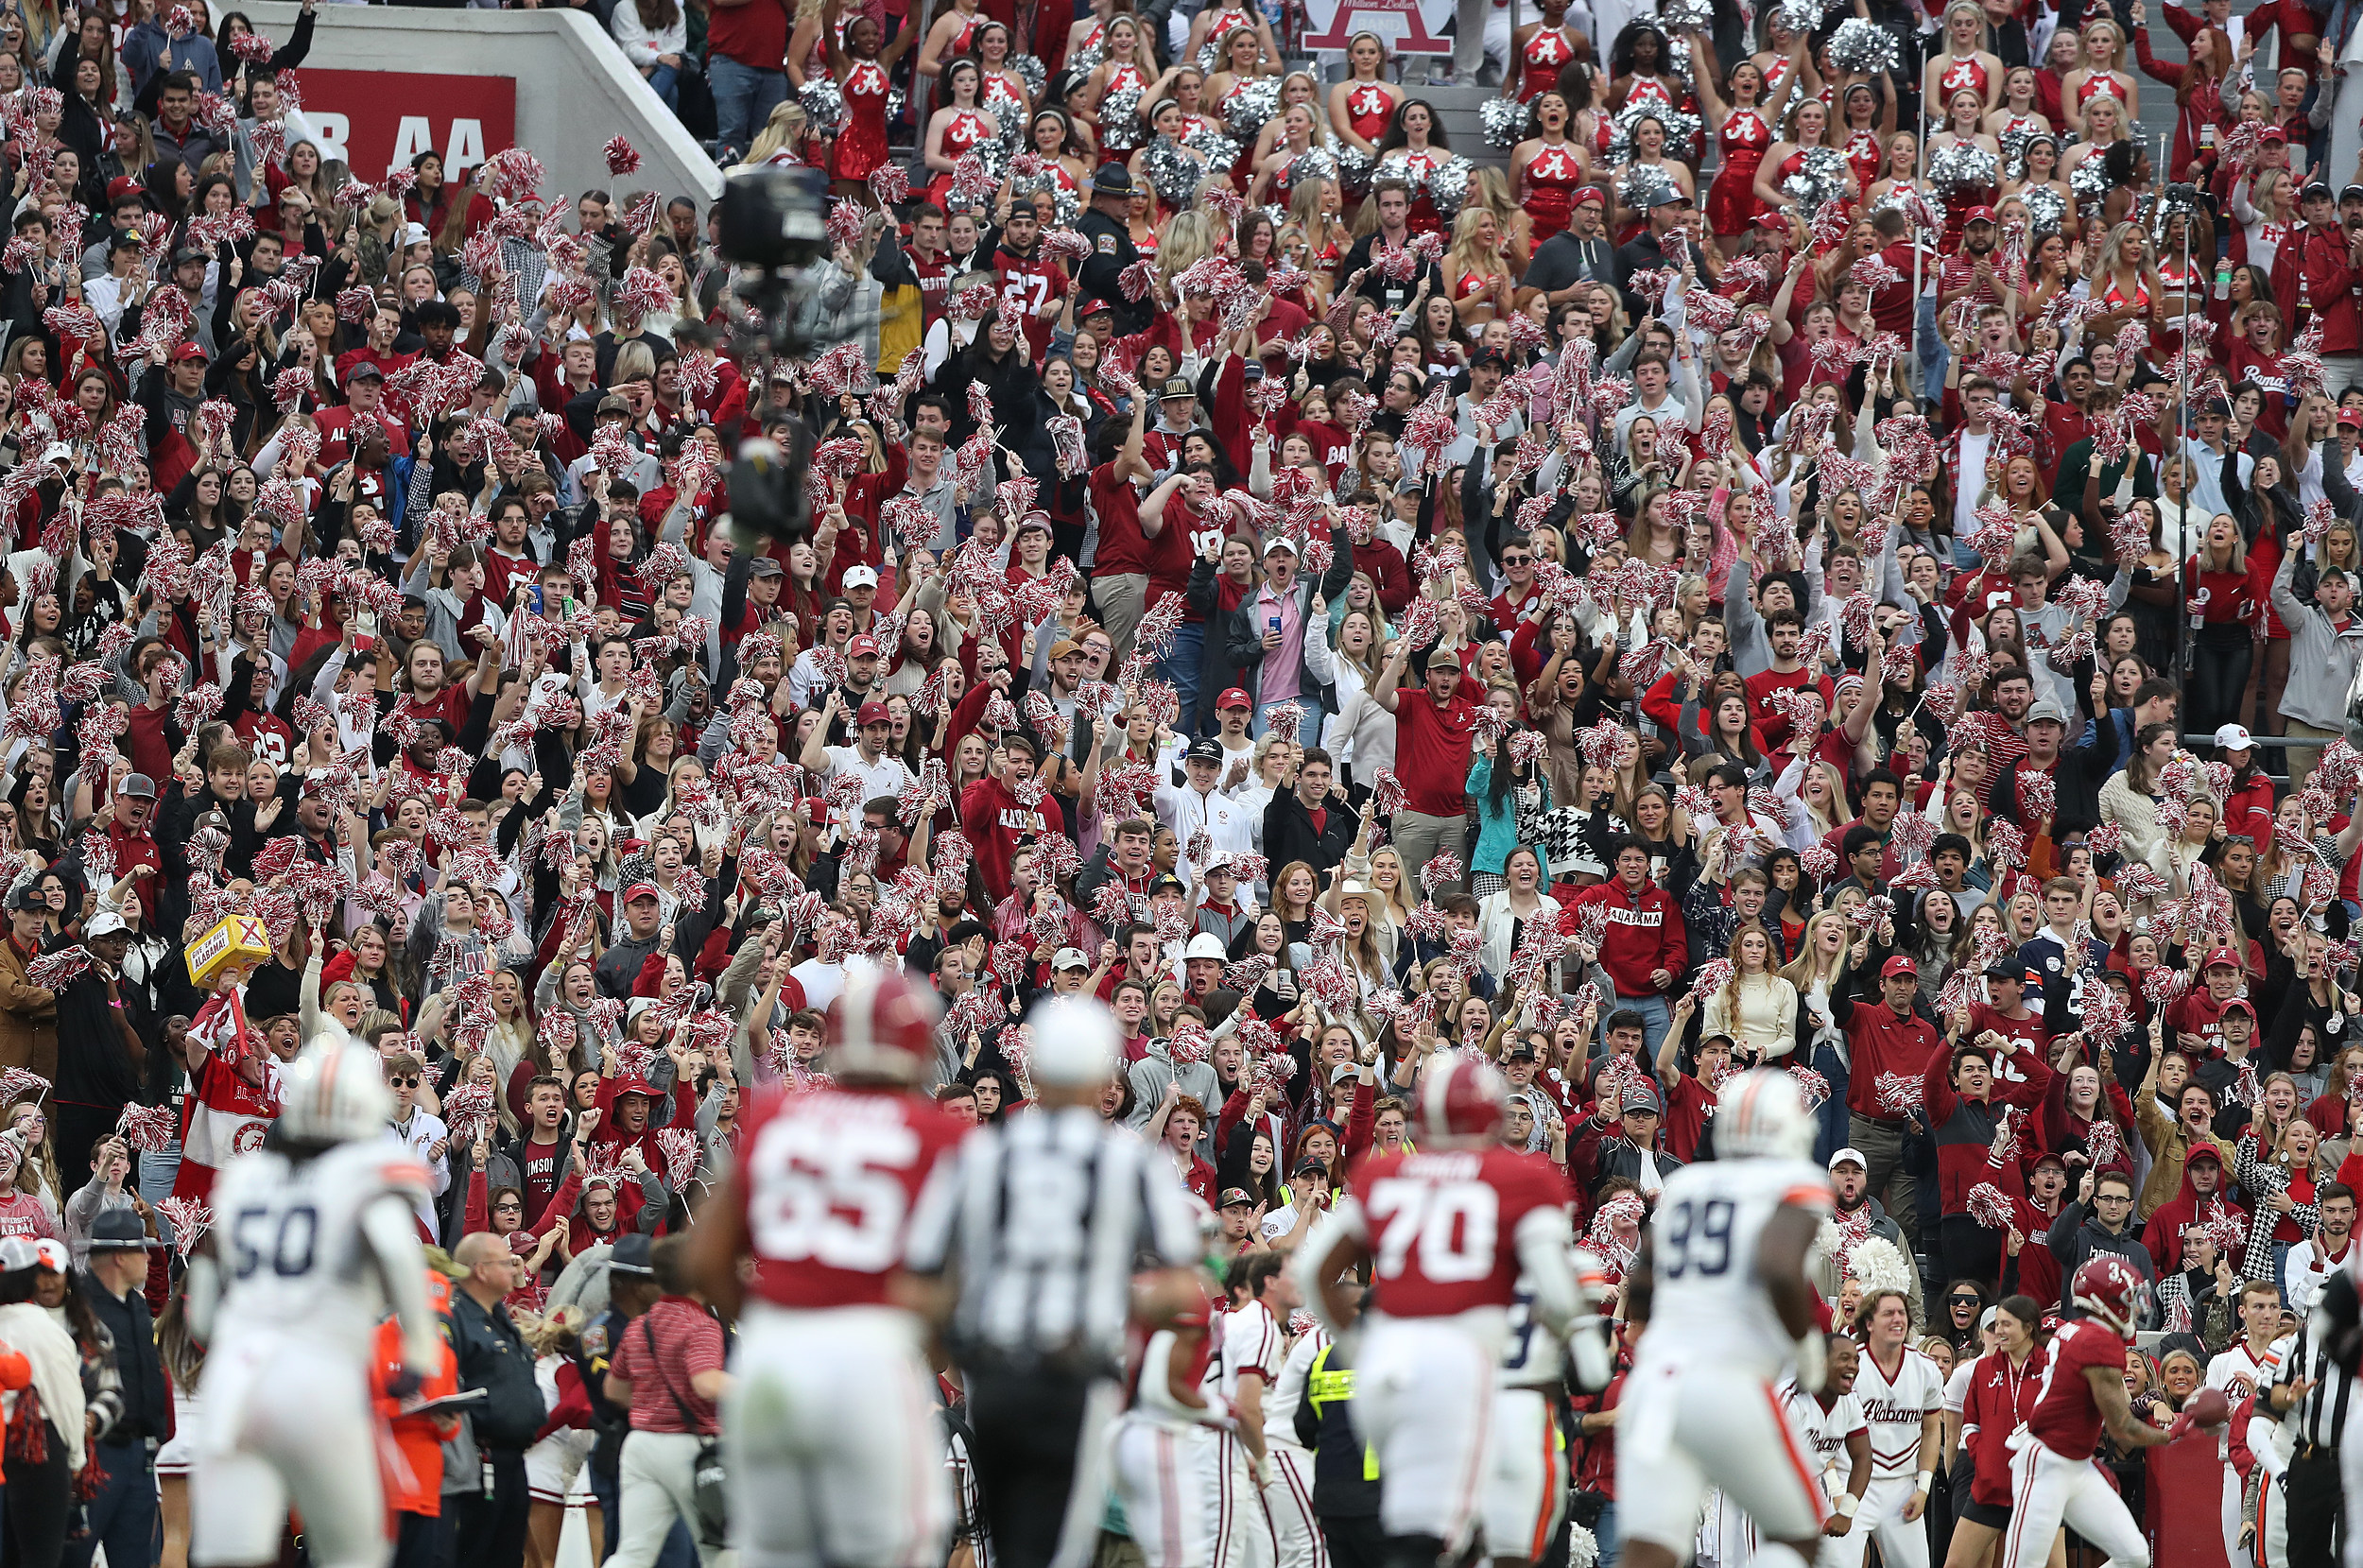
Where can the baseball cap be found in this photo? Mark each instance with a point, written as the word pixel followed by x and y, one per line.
pixel 2273 133
pixel 1094 304
pixel 138 786
pixel 1978 214
pixel 1279 542
pixel 1668 195
pixel 1898 965
pixel 2048 1155
pixel 2233 737
pixel 1640 1096
pixel 2011 970
pixel 612 405
pixel 1064 647
pixel 370 370
pixel 766 566
pixel 2315 190
pixel 2223 956
pixel 121 186
pixel 861 576
pixel 1205 945
pixel 1234 698
pixel 2208 1152
pixel 2352 193
pixel 2238 1004
pixel 1031 520
pixel 104 923
pixel 1314 1167
pixel 1204 749
pixel 635 1084
pixel 414 233
pixel 862 647
pixel 1523 1051
pixel 1589 196
pixel 1846 1154
pixel 873 712
pixel 2350 415
pixel 28 899
pixel 1069 958
pixel 190 253
pixel 639 890
pixel 185 352
pixel 1165 882
pixel 1177 387
pixel 2045 711
pixel 1234 1197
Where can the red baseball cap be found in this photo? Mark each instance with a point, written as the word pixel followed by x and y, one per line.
pixel 121 186
pixel 1898 965
pixel 2269 133
pixel 1588 193
pixel 638 891
pixel 1978 214
pixel 873 713
pixel 1234 698
pixel 2221 956
pixel 862 647
pixel 186 351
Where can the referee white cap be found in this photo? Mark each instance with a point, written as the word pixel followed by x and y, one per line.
pixel 1074 1042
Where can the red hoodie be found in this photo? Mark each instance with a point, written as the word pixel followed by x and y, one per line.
pixel 1645 934
pixel 2174 1218
pixel 996 825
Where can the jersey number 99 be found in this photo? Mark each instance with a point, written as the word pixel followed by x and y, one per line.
pixel 1696 1239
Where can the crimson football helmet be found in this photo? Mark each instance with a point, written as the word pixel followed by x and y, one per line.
pixel 2111 1290
pixel 881 1027
pixel 1461 1100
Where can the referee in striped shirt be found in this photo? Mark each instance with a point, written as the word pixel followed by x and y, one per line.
pixel 2310 1395
pixel 1036 1232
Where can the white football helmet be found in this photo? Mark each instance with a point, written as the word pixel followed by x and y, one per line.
pixel 335 1094
pixel 1075 1043
pixel 1762 1114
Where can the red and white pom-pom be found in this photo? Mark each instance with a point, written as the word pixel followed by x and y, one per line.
pixel 2006 846
pixel 1812 1085
pixel 890 183
pixel 149 1128
pixel 18 1083
pixel 681 1152
pixel 1818 861
pixel 1899 1092
pixel 2105 1146
pixel 622 157
pixel 190 1218
pixel 1387 794
pixel 1713 977
pixel 469 1113
pixel 2164 987
pixel 57 970
pixel 1991 1207
pixel 1441 871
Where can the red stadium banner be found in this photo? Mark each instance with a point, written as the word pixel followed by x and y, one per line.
pixel 2183 1502
pixel 375 120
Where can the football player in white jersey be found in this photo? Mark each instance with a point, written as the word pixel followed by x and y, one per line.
pixel 1720 1283
pixel 1253 1346
pixel 1901 1395
pixel 1163 1449
pixel 1838 1435
pixel 311 1241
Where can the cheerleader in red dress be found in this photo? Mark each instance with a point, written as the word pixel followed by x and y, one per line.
pixel 1087 38
pixel 1006 96
pixel 1648 151
pixel 1119 71
pixel 1299 134
pixel 1543 49
pixel 1866 122
pixel 1217 21
pixel 1550 166
pixel 861 71
pixel 1961 63
pixel 949 35
pixel 1056 144
pixel 1964 112
pixel 958 127
pixel 2103 75
pixel 1414 148
pixel 1638 73
pixel 1778 57
pixel 1362 106
pixel 1743 128
pixel 1297 87
pixel 1809 127
pixel 2018 116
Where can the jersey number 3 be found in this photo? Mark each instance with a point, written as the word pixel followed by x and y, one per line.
pixel 1452 1226
pixel 1695 1239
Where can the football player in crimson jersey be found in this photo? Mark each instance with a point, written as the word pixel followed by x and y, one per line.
pixel 1720 1283
pixel 2053 1480
pixel 835 1454
pixel 1450 1232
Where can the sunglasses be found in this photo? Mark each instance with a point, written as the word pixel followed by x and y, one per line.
pixel 409 1082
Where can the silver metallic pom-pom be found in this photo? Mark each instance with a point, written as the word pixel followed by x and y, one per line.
pixel 1502 118
pixel 1029 71
pixel 825 102
pixel 1219 150
pixel 1685 16
pixel 2046 209
pixel 1642 187
pixel 1120 118
pixel 1083 62
pixel 897 100
pixel 1173 174
pixel 1678 60
pixel 1821 178
pixel 1962 166
pixel 1448 187
pixel 1862 48
pixel 1312 163
pixel 1250 107
pixel 1353 170
pixel 2089 179
pixel 1583 1547
pixel 1800 16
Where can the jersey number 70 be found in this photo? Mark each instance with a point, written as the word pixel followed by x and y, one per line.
pixel 1452 1225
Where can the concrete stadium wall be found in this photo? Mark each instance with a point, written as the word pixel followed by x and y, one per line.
pixel 573 88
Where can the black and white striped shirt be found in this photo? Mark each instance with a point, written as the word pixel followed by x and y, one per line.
pixel 1043 1219
pixel 2321 1414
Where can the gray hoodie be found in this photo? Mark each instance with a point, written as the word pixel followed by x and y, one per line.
pixel 2323 658
pixel 1154 1071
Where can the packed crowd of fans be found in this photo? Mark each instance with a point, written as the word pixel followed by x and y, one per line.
pixel 1732 588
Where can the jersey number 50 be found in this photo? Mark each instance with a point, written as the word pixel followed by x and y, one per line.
pixel 1452 1225
pixel 290 1246
pixel 1696 1239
